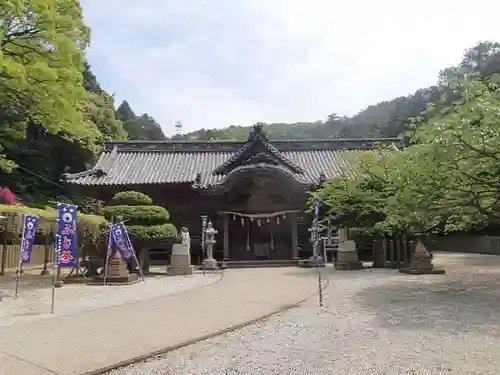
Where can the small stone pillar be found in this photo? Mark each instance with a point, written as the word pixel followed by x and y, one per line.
pixel 180 260
pixel 421 262
pixel 210 263
pixel 145 260
pixel 378 253
pixel 347 257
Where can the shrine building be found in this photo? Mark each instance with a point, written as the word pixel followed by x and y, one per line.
pixel 254 192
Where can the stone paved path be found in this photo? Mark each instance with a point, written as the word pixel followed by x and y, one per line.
pixel 35 295
pixel 374 322
pixel 81 342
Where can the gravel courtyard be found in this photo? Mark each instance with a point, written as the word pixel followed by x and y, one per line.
pixel 373 322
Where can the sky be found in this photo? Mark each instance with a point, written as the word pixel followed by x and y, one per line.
pixel 213 63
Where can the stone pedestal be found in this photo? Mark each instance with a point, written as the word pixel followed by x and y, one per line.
pixel 347 257
pixel 117 272
pixel 210 264
pixel 180 261
pixel 316 261
pixel 421 262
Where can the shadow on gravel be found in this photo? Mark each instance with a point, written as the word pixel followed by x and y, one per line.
pixel 464 302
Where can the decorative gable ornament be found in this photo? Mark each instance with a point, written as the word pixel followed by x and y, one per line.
pixel 257 150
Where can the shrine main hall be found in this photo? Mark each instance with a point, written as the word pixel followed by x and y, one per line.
pixel 254 192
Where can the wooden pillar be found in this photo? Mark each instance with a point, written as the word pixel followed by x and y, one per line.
pixel 226 236
pixel 6 230
pixel 295 240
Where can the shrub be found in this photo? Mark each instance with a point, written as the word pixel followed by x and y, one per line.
pixel 143 220
pixel 7 196
pixel 138 215
pixel 158 232
pixel 89 206
pixel 131 198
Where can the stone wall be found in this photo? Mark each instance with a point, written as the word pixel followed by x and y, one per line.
pixel 464 243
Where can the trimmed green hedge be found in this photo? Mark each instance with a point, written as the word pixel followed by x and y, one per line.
pixel 143 233
pixel 138 215
pixel 157 232
pixel 143 220
pixel 131 198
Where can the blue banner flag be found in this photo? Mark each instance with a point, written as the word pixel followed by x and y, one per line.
pixel 28 238
pixel 204 219
pixel 67 245
pixel 120 239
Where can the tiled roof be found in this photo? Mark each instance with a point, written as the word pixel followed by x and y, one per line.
pixel 169 162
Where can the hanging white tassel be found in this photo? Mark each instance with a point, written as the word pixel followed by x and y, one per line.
pixel 268 219
pixel 248 238
pixel 242 222
pixel 234 217
pixel 251 219
pixel 277 220
pixel 258 223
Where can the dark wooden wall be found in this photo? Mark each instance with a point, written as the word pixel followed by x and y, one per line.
pixel 186 205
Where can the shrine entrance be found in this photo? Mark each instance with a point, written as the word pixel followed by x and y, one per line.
pixel 261 236
pixel 260 215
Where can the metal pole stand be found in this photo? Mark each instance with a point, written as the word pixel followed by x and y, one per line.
pixel 320 286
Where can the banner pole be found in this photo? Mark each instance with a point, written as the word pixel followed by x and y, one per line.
pixel 18 277
pixel 129 243
pixel 109 251
pixel 20 266
pixel 55 272
pixel 140 267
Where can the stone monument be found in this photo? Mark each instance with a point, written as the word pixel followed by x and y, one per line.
pixel 210 263
pixel 117 272
pixel 180 260
pixel 347 256
pixel 421 262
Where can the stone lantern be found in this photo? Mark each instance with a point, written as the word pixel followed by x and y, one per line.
pixel 210 263
pixel 316 260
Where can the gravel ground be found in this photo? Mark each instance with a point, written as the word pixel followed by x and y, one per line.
pixel 373 322
pixel 34 299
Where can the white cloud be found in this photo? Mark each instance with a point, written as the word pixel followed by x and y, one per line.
pixel 211 63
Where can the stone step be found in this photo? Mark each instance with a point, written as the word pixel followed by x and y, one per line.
pixel 261 263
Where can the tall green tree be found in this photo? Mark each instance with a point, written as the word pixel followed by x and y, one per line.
pixel 100 107
pixel 142 127
pixel 42 45
pixel 447 180
pixel 51 103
